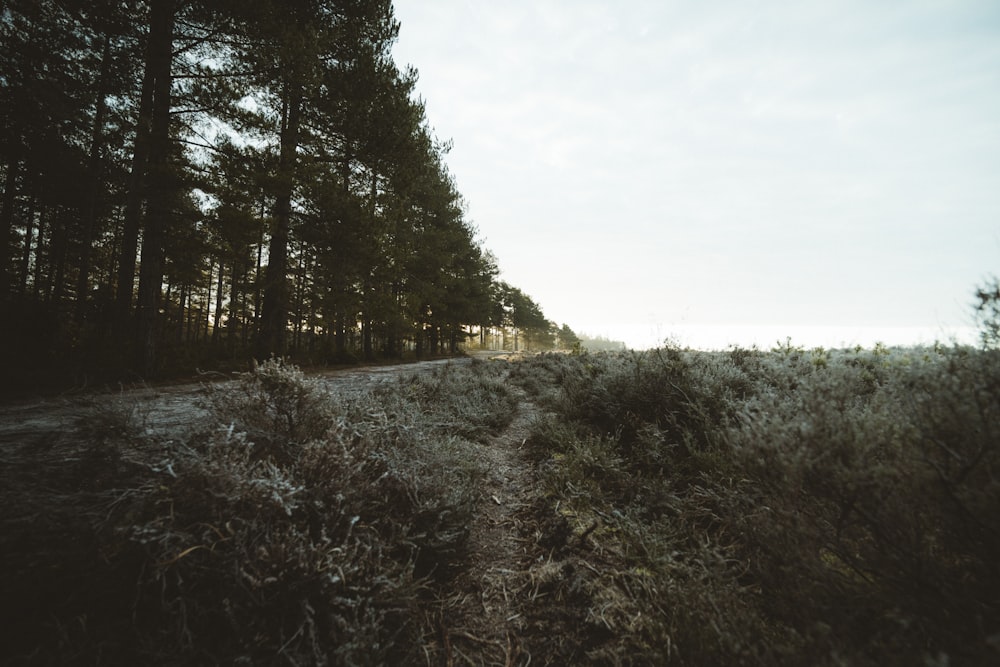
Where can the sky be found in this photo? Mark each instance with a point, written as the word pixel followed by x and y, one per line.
pixel 725 172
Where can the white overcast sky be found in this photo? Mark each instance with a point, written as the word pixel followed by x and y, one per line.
pixel 647 168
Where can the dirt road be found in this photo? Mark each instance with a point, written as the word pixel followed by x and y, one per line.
pixel 165 407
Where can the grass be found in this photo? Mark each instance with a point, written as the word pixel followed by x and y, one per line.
pixel 292 526
pixel 748 507
pixel 786 507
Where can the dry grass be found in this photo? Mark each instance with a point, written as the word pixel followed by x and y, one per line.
pixel 787 507
pixel 291 526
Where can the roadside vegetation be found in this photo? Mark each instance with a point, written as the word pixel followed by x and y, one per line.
pixel 292 526
pixel 763 508
pixel 670 507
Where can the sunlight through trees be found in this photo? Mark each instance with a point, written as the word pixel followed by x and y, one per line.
pixel 188 183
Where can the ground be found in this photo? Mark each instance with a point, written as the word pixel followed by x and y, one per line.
pixel 482 620
pixel 478 604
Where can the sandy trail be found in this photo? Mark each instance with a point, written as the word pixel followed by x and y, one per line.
pixel 169 406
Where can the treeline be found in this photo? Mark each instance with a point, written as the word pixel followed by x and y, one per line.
pixel 601 344
pixel 188 180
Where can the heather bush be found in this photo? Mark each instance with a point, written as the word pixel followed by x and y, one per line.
pixel 251 560
pixel 111 419
pixel 544 375
pixel 316 553
pixel 784 507
pixel 663 407
pixel 276 405
pixel 293 526
pixel 473 402
pixel 621 467
pixel 880 497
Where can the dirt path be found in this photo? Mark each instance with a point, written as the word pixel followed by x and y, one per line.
pixel 481 619
pixel 481 614
pixel 165 407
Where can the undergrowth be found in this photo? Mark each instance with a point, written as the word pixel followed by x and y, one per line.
pixel 292 526
pixel 783 507
pixel 786 507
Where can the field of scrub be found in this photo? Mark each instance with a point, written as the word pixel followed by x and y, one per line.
pixel 782 507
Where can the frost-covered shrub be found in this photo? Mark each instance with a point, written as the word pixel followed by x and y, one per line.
pixel 473 402
pixel 276 405
pixel 111 419
pixel 663 406
pixel 883 496
pixel 544 375
pixel 659 586
pixel 313 555
pixel 245 561
pixel 793 507
pixel 109 425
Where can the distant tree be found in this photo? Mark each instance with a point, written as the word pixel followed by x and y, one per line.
pixel 568 340
pixel 530 329
pixel 236 226
pixel 601 344
pixel 987 310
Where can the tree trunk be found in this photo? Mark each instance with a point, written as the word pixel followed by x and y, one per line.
pixel 7 221
pixel 58 256
pixel 38 252
pixel 257 281
pixel 340 336
pixel 217 324
pixel 366 338
pixel 94 164
pixel 29 219
pixel 160 184
pixel 133 210
pixel 205 314
pixel 274 312
pixel 299 300
pixel 237 308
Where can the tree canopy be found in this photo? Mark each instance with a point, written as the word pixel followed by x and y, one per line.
pixel 189 182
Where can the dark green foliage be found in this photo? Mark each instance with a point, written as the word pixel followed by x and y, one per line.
pixel 270 162
pixel 988 312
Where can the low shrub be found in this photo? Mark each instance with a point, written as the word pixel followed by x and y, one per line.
pixel 878 506
pixel 276 405
pixel 783 507
pixel 294 526
pixel 473 402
